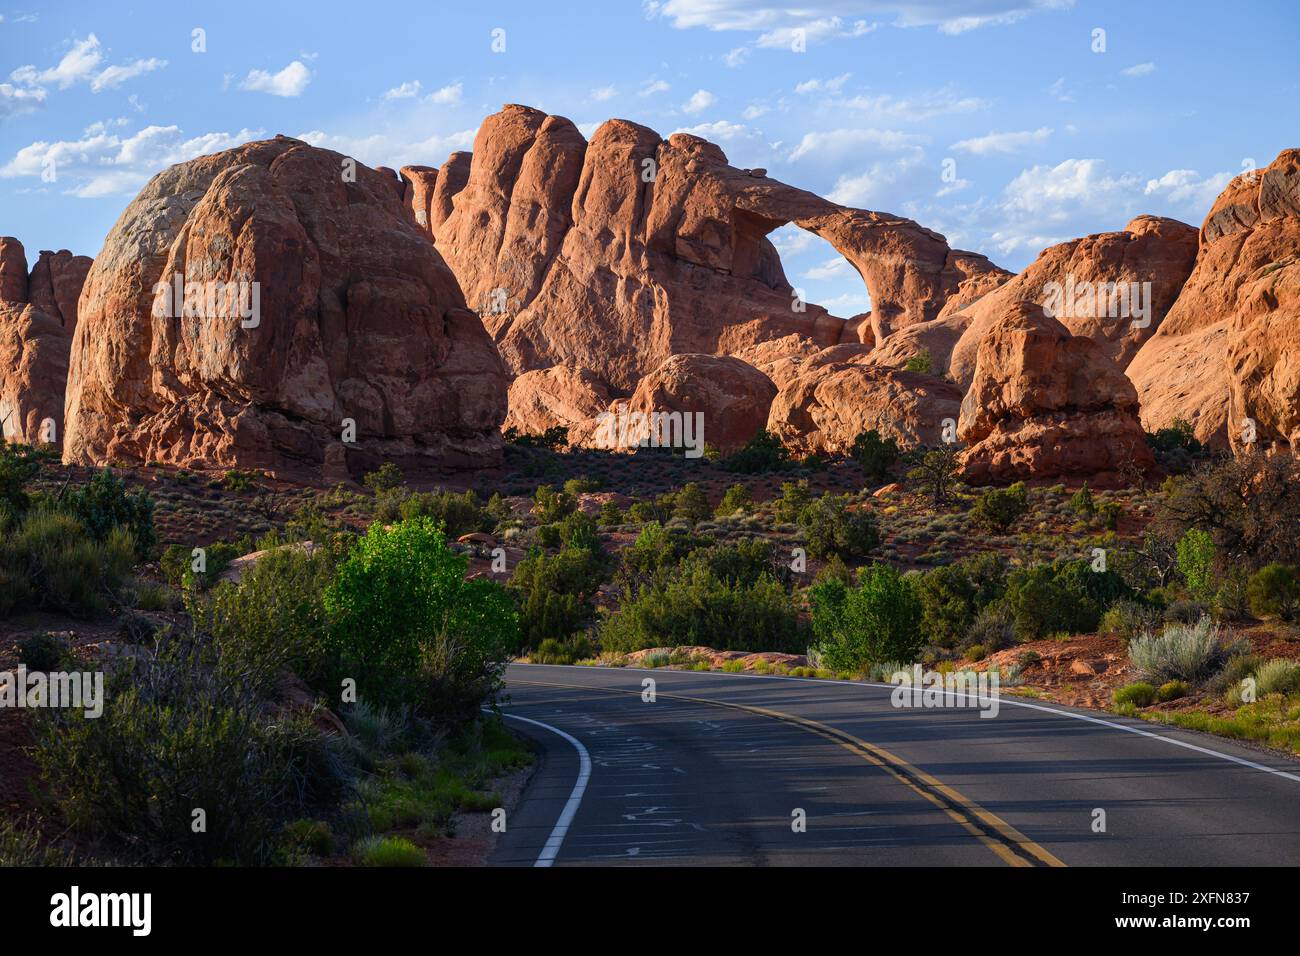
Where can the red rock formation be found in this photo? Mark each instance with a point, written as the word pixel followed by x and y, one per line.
pixel 37 316
pixel 557 396
pixel 615 254
pixel 1229 349
pixel 825 409
pixel 357 319
pixel 1044 403
pixel 1068 279
pixel 732 396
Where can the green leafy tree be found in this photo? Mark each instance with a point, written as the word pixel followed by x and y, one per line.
pixel 1275 589
pixel 998 509
pixel 875 622
pixel 763 453
pixel 832 527
pixel 1196 563
pixel 692 504
pixel 737 498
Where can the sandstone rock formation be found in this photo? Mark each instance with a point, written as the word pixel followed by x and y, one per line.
pixel 37 315
pixel 615 254
pixel 1045 403
pixel 557 396
pixel 823 410
pixel 1229 349
pixel 1080 281
pixel 732 396
pixel 313 302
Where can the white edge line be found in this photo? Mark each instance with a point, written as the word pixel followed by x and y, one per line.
pixel 553 842
pixel 1141 732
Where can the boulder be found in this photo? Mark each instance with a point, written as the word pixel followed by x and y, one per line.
pixel 557 396
pixel 825 409
pixel 732 397
pixel 55 285
pixel 13 270
pixel 1044 403
pixel 321 334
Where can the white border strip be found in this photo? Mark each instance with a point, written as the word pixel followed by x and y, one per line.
pixel 552 847
pixel 1002 699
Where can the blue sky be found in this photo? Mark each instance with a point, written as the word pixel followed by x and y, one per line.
pixel 995 122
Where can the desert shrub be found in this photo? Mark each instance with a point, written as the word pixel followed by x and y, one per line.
pixel 998 509
pixel 50 561
pixel 553 651
pixel 993 627
pixel 691 504
pixel 952 597
pixel 552 438
pixel 1127 619
pixel 610 514
pixel 695 606
pixel 1238 667
pixel 410 629
pixel 975 652
pixel 655 553
pixel 457 513
pixel 1250 506
pixel 274 618
pixel 1189 653
pixel 581 486
pixel 551 505
pixel 19 464
pixel 764 452
pixel 1196 563
pixel 877 620
pixel 1277 676
pixel 43 652
pixel 736 499
pixel 874 454
pixel 1171 690
pixel 795 497
pixel 1184 612
pixel 1176 447
pixel 554 592
pixel 1138 694
pixel 103 504
pixel 1063 597
pixel 387 851
pixel 1232 598
pixel 185 731
pixel 831 527
pixel 920 362
pixel 235 480
pixel 1083 502
pixel 936 474
pixel 1275 590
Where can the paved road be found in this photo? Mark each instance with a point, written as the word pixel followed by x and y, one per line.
pixel 722 769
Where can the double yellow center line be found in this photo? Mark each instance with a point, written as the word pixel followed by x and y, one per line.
pixel 1008 843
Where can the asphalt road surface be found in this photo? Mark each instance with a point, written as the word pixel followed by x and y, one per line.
pixel 723 769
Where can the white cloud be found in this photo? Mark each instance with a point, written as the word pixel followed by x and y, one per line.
pixel 832 85
pixel 1185 187
pixel 842 143
pixel 1059 91
pixel 404 92
pixel 720 131
pixel 879 185
pixel 16 99
pixel 654 86
pixel 754 110
pixel 1002 142
pixel 737 57
pixel 117 75
pixel 790 240
pixel 290 81
pixel 950 16
pixel 847 304
pixel 922 106
pixel 812 31
pixel 386 149
pixel 104 164
pixel 700 100
pixel 77 64
pixel 447 95
pixel 1140 69
pixel 834 268
pixel 601 94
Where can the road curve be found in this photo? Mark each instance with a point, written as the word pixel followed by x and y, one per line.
pixel 729 769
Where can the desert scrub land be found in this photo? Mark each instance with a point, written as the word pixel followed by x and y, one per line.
pixel 324 653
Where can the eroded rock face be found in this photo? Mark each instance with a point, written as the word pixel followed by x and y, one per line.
pixel 825 409
pixel 1229 349
pixel 1044 403
pixel 37 315
pixel 1088 285
pixel 732 396
pixel 557 396
pixel 357 320
pixel 614 255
